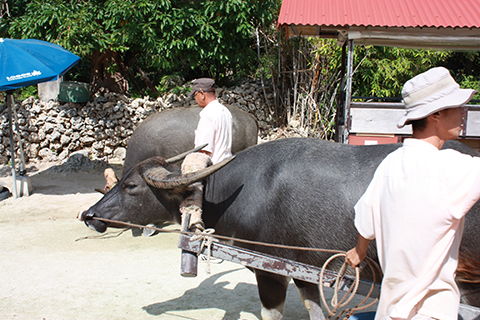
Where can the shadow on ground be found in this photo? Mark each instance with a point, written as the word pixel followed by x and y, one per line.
pixel 61 178
pixel 211 294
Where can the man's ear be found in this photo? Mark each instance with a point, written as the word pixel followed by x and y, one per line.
pixel 435 116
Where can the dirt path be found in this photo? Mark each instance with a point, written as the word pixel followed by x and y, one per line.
pixel 45 273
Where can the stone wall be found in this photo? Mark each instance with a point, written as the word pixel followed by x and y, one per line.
pixel 52 131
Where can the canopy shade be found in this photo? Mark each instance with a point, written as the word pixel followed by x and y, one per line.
pixel 29 61
pixel 437 24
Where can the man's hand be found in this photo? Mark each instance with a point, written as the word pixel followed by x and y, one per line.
pixel 353 258
pixel 357 254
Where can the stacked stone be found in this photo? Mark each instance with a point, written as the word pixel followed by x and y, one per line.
pixel 250 97
pixel 52 131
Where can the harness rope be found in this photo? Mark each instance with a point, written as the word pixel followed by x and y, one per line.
pixel 216 236
pixel 207 240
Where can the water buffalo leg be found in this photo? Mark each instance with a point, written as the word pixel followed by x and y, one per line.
pixel 272 289
pixel 310 296
pixel 470 293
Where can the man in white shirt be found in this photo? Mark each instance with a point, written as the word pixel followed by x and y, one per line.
pixel 215 125
pixel 415 204
pixel 214 128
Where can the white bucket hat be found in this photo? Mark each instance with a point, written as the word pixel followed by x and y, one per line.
pixel 429 92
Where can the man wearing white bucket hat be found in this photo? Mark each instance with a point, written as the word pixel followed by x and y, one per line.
pixel 415 204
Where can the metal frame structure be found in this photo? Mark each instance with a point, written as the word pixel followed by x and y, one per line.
pixel 361 22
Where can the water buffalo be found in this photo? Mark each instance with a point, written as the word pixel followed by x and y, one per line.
pixel 171 132
pixel 296 191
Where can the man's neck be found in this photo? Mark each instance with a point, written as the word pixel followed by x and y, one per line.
pixel 433 139
pixel 208 101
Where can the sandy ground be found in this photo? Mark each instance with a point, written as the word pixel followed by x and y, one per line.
pixel 47 272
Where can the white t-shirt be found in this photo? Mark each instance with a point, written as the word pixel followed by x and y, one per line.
pixel 215 128
pixel 414 208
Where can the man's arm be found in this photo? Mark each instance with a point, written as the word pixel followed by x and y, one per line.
pixel 357 254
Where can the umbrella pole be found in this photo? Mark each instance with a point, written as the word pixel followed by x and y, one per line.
pixel 24 179
pixel 10 104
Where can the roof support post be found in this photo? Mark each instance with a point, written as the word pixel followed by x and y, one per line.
pixel 348 96
pixel 339 116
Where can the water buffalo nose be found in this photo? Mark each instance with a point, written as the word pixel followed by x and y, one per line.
pixel 85 215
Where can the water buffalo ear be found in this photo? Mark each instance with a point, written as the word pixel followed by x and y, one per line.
pixel 183 155
pixel 161 178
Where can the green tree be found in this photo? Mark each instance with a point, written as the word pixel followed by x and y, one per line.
pixel 144 39
pixel 382 71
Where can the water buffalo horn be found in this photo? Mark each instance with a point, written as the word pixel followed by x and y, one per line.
pixel 102 191
pixel 183 155
pixel 161 178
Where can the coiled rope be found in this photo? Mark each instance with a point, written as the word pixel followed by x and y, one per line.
pixel 351 291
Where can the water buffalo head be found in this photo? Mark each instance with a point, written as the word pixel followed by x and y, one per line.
pixel 149 192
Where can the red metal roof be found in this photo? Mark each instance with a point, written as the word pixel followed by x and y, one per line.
pixel 382 13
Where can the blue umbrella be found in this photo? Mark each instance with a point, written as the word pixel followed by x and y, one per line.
pixel 27 62
pixel 30 61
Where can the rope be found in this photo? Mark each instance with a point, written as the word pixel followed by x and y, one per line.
pixel 351 291
pixel 273 245
pixel 106 235
pixel 207 239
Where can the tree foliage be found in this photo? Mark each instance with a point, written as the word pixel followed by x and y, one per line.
pixel 163 43
pixel 198 38
pixel 382 71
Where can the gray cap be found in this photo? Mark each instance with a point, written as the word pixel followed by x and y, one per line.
pixel 203 84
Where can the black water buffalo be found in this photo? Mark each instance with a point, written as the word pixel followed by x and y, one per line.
pixel 296 191
pixel 171 132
